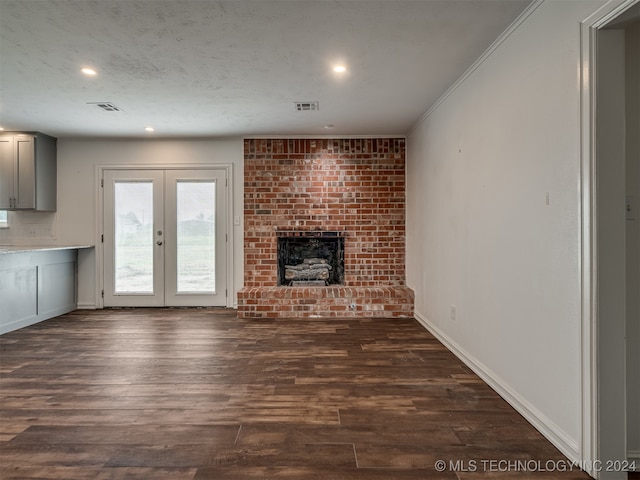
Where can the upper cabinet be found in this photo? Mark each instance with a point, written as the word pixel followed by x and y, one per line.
pixel 27 171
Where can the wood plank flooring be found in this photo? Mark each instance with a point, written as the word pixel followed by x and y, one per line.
pixel 197 394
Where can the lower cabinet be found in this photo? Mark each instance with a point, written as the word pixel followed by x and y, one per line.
pixel 35 286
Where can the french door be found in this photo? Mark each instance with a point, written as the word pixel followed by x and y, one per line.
pixel 164 238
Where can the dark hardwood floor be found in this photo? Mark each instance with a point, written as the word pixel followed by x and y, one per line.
pixel 186 394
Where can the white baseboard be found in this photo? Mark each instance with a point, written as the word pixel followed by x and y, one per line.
pixel 568 446
pixel 86 306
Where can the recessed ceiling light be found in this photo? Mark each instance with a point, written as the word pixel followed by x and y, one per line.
pixel 339 69
pixel 329 125
pixel 88 71
pixel 149 129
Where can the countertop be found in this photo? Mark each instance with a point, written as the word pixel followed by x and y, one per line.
pixel 39 248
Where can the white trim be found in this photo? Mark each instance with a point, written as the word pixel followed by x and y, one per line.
pixel 481 59
pixel 568 446
pixel 608 12
pixel 99 215
pixel 231 284
pixel 588 357
pixel 169 166
pixel 86 306
pixel 99 251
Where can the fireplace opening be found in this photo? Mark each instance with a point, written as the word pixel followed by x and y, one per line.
pixel 310 258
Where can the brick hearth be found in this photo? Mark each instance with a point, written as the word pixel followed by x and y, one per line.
pixel 353 186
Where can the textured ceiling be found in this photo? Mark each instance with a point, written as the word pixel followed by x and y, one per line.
pixel 235 68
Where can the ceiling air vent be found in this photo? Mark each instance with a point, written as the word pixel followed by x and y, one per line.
pixel 307 106
pixel 106 106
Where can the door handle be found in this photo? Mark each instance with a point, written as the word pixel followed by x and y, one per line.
pixel 159 242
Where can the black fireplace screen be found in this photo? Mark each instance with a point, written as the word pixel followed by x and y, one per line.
pixel 311 258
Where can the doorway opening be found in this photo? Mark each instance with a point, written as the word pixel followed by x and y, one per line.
pixel 611 185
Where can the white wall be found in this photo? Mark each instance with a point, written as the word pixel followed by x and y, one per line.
pixel 75 221
pixel 30 228
pixel 493 219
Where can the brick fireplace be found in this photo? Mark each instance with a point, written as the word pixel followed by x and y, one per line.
pixel 353 189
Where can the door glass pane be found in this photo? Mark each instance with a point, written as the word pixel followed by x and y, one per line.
pixel 134 237
pixel 196 207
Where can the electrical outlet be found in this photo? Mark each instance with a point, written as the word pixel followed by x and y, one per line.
pixel 452 312
pixel 630 208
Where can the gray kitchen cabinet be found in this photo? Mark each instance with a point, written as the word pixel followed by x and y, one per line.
pixel 36 284
pixel 28 171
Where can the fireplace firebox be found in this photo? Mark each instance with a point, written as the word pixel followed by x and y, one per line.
pixel 310 258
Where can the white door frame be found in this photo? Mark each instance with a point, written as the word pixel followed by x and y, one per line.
pixel 99 216
pixel 590 436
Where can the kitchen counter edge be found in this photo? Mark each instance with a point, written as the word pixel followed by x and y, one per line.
pixel 6 249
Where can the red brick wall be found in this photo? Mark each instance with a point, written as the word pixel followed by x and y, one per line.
pixel 355 186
